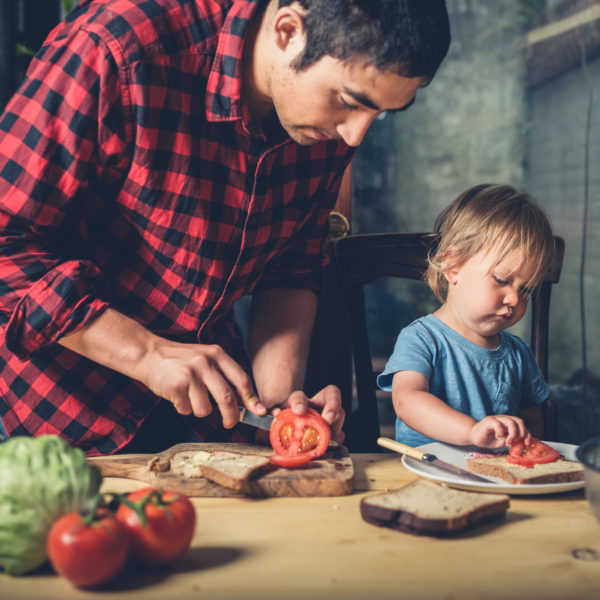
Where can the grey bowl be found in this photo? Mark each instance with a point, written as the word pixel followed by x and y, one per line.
pixel 589 455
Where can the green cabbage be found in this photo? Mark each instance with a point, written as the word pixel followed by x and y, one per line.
pixel 41 479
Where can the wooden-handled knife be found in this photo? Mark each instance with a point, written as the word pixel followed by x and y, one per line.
pixel 430 459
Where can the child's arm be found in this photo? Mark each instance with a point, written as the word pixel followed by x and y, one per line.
pixel 432 417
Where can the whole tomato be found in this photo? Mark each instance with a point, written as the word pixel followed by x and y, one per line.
pixel 88 549
pixel 160 524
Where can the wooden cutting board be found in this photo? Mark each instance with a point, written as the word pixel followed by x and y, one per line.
pixel 330 475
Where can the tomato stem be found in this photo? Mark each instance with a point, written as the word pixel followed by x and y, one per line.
pixel 153 496
pixel 88 515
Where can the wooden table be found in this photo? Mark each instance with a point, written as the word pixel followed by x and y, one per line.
pixel 548 548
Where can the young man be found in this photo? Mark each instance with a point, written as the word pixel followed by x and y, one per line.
pixel 162 159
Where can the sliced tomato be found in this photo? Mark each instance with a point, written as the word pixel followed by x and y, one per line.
pixel 537 452
pixel 296 439
pixel 289 461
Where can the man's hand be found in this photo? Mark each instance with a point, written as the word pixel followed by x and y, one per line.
pixel 189 374
pixel 328 402
pixel 185 374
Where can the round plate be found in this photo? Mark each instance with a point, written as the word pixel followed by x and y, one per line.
pixel 456 455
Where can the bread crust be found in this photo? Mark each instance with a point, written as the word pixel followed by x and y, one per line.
pixel 457 510
pixel 559 471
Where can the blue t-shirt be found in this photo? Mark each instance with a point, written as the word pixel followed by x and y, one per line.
pixel 473 380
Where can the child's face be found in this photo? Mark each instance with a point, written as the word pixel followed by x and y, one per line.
pixel 484 299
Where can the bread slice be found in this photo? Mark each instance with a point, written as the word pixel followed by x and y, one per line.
pixel 426 508
pixel 559 471
pixel 230 469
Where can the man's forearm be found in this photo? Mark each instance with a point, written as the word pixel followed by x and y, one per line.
pixel 280 331
pixel 114 341
pixel 188 375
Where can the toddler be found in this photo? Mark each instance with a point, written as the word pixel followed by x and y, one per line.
pixel 456 375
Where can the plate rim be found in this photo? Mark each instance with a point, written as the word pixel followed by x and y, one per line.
pixel 523 489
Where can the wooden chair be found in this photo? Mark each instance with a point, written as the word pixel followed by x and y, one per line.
pixel 360 260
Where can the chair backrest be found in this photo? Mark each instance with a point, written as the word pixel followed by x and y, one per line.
pixel 361 259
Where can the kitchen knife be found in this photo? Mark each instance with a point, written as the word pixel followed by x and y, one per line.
pixel 429 459
pixel 262 422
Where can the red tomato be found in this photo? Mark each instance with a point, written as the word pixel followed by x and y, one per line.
pixel 297 439
pixel 87 553
pixel 289 461
pixel 160 524
pixel 536 453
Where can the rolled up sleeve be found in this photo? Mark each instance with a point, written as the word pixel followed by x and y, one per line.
pixel 58 134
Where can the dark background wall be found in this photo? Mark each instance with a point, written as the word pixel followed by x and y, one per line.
pixel 23 26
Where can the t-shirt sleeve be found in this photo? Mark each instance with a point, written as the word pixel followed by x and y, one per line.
pixel 414 351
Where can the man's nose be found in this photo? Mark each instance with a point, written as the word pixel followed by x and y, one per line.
pixel 354 128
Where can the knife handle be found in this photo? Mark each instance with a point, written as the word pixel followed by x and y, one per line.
pixel 401 448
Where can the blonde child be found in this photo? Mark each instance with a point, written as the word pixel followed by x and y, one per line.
pixel 455 375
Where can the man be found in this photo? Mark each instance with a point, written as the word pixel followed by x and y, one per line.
pixel 162 159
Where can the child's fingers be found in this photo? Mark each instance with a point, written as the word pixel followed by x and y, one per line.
pixel 499 430
pixel 489 432
pixel 514 429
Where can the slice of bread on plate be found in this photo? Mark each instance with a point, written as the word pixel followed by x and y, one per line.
pixel 427 508
pixel 229 469
pixel 559 471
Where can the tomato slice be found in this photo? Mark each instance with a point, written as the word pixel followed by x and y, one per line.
pixel 297 439
pixel 536 453
pixel 288 461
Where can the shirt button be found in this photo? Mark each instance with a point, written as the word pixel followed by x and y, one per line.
pixel 138 414
pixel 253 222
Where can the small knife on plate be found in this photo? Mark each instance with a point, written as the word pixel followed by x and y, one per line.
pixel 429 459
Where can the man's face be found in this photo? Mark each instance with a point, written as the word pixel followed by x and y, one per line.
pixel 336 100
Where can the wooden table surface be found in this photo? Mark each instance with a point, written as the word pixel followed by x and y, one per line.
pixel 548 548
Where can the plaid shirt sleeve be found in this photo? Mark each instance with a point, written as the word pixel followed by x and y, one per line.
pixel 61 131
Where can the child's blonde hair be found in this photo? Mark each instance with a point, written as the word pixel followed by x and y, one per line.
pixel 486 216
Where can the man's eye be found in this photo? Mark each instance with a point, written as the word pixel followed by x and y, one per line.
pixel 348 105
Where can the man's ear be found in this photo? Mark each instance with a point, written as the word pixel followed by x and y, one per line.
pixel 288 28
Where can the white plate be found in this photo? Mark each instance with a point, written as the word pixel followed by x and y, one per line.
pixel 456 456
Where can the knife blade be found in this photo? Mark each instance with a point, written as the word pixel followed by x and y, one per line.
pixel 262 422
pixel 430 459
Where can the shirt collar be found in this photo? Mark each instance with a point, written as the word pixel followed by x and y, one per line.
pixel 224 87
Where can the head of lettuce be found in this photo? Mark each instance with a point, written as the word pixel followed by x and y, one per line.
pixel 41 479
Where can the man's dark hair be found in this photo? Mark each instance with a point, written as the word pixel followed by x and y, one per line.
pixel 410 37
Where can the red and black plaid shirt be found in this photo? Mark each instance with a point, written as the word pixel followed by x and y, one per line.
pixel 132 176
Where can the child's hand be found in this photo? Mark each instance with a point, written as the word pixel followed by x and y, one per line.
pixel 499 430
